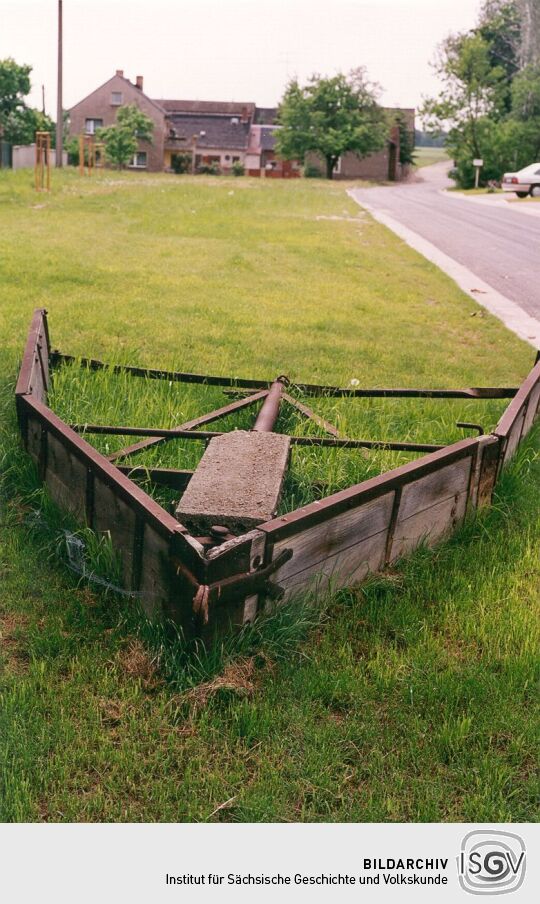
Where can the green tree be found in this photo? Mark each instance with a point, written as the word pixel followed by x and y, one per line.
pixel 330 116
pixel 135 121
pixel 121 140
pixel 530 32
pixel 18 122
pixel 524 120
pixel 14 86
pixel 491 98
pixel 20 126
pixel 500 25
pixel 406 141
pixel 471 91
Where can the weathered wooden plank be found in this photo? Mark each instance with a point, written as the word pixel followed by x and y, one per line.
pixel 345 568
pixel 65 476
pixel 485 471
pixel 251 603
pixel 42 350
pixel 124 488
pixel 37 385
pixel 113 516
pixel 514 436
pixel 423 493
pixel 428 525
pixel 33 438
pixel 532 410
pixel 320 511
pixel 509 416
pixel 313 546
pixel 155 581
pixel 38 334
pixel 232 557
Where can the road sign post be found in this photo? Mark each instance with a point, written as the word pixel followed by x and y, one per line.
pixel 478 164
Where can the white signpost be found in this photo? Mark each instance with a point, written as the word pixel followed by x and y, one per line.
pixel 477 163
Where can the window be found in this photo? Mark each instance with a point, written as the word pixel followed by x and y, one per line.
pixel 116 98
pixel 139 160
pixel 92 124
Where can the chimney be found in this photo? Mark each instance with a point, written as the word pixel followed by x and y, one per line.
pixel 245 117
pixel 120 72
pixel 139 82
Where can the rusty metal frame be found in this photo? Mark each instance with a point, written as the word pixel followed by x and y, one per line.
pixel 204 585
pixel 161 433
pixel 308 389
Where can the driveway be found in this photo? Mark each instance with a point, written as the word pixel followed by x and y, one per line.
pixel 492 238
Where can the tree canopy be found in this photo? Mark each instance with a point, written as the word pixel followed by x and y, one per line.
pixel 490 102
pixel 18 122
pixel 121 140
pixel 331 116
pixel 529 13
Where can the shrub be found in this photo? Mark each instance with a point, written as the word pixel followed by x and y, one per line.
pixel 181 163
pixel 72 148
pixel 238 168
pixel 312 172
pixel 208 169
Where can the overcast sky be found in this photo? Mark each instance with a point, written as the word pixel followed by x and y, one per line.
pixel 230 49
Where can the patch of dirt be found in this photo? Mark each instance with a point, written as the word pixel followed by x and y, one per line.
pixel 43 810
pixel 111 712
pixel 238 678
pixel 135 663
pixel 12 656
pixel 88 598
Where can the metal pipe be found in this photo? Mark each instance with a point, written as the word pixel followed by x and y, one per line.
pixel 269 411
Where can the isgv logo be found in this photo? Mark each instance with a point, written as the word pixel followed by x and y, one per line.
pixel 491 862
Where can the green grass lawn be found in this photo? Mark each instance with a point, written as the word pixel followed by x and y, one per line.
pixel 479 191
pixel 428 156
pixel 412 698
pixel 529 200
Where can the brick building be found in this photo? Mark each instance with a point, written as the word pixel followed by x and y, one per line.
pixel 100 108
pixel 208 131
pixel 215 132
pixel 382 166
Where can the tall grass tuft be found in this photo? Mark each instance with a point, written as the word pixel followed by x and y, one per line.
pixel 104 397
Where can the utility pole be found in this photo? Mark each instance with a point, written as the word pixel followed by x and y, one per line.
pixel 43 99
pixel 59 108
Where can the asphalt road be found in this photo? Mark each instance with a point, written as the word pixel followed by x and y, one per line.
pixel 498 243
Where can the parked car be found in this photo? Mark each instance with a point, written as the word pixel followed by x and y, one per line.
pixel 525 182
